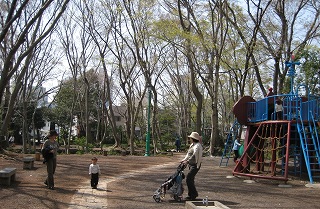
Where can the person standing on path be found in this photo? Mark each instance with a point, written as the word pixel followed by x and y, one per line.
pixel 193 158
pixel 94 172
pixel 236 146
pixel 178 144
pixel 50 148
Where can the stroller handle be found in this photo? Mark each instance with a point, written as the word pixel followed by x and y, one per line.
pixel 181 166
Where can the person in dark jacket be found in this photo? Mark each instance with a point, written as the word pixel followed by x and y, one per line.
pixel 49 152
pixel 178 144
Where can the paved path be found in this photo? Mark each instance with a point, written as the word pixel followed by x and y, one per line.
pixel 86 197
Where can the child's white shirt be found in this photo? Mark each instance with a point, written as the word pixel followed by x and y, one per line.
pixel 279 108
pixel 94 169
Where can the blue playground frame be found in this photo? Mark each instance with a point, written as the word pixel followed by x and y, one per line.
pixel 289 144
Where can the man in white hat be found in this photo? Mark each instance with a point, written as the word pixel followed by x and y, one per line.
pixel 193 158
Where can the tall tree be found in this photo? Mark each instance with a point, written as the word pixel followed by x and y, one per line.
pixel 310 69
pixel 14 46
pixel 134 54
pixel 100 23
pixel 282 33
pixel 187 27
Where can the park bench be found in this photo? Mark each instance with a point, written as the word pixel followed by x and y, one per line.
pixel 7 175
pixel 28 162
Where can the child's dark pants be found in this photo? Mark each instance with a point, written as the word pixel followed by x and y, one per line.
pixel 94 179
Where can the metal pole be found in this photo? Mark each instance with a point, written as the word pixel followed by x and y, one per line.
pixel 292 71
pixel 148 130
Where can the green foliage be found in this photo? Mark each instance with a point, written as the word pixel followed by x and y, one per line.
pixel 310 69
pixel 63 135
pixel 60 114
pixel 287 85
pixel 72 99
pixel 167 123
pixel 80 141
pixel 39 120
pixel 32 111
pixel 113 152
pixel 82 144
pixel 109 139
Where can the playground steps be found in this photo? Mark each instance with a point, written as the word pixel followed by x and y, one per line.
pixel 227 151
pixel 310 146
pixel 228 145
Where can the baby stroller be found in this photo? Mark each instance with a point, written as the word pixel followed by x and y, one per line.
pixel 174 182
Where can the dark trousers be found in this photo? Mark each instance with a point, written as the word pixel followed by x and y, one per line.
pixel 192 191
pixel 51 168
pixel 178 148
pixel 236 155
pixel 279 115
pixel 94 179
pixel 270 111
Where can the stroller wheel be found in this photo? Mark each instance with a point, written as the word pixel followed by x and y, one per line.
pixel 177 198
pixel 156 198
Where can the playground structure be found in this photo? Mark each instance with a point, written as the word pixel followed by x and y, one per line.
pixel 276 147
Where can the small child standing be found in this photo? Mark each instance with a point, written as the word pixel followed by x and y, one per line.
pixel 279 109
pixel 94 171
pixel 236 146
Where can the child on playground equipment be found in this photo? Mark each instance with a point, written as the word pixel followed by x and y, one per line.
pixel 236 147
pixel 279 109
pixel 270 102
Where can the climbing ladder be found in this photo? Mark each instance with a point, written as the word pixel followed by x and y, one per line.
pixel 309 139
pixel 295 153
pixel 231 137
pixel 262 156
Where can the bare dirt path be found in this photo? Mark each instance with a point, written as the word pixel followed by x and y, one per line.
pixel 129 182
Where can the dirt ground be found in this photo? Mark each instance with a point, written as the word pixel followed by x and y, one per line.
pixel 130 182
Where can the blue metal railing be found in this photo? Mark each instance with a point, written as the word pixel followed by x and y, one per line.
pixel 293 107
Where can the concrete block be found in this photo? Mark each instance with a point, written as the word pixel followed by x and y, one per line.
pixel 28 162
pixel 203 205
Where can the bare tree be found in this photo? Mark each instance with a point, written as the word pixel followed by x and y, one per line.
pixel 177 88
pixel 15 49
pixel 277 32
pixel 79 50
pixel 100 26
pixel 187 27
pixel 135 67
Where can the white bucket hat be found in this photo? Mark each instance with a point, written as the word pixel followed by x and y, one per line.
pixel 195 136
